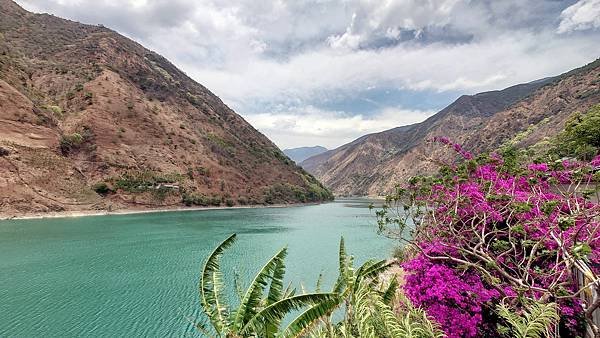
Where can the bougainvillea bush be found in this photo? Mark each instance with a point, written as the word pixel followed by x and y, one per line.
pixel 489 230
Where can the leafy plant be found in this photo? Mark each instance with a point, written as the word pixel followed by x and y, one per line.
pixel 370 309
pixel 368 306
pixel 262 306
pixel 536 320
pixel 141 181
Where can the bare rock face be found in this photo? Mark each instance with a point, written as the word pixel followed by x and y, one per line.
pixel 83 108
pixel 375 163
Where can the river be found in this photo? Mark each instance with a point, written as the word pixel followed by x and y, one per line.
pixel 136 275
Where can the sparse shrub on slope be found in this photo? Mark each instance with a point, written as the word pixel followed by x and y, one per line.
pixel 81 140
pixel 70 142
pixel 101 188
pixel 140 181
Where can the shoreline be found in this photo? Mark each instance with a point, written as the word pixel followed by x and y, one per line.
pixel 88 213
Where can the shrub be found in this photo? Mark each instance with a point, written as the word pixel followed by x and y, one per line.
pixel 509 233
pixel 70 142
pixel 56 110
pixel 4 152
pixel 101 188
pixel 581 136
pixel 455 299
pixel 203 171
pixel 140 181
pixel 399 253
pixel 195 199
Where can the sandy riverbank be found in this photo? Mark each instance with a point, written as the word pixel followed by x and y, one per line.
pixel 84 213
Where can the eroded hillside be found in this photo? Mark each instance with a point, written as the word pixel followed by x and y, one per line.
pixel 92 120
pixel 375 163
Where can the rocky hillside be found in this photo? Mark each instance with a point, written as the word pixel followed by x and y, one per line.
pixel 375 163
pixel 92 120
pixel 302 153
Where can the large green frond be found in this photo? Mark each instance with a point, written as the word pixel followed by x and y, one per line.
pixel 536 320
pixel 211 288
pixel 319 282
pixel 365 313
pixel 278 310
pixel 389 294
pixel 371 269
pixel 250 303
pixel 276 291
pixel 343 268
pixel 309 318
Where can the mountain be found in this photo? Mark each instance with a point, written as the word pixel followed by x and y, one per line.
pixel 300 154
pixel 375 163
pixel 90 119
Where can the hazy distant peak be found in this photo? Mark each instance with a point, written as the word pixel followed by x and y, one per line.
pixel 302 153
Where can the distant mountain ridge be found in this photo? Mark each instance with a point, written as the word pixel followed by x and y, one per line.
pixel 90 119
pixel 302 153
pixel 375 163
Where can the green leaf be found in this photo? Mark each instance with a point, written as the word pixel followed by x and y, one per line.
pixel 211 288
pixel 535 321
pixel 278 310
pixel 390 293
pixel 251 300
pixel 306 320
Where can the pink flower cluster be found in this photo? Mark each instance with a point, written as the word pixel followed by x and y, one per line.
pixel 499 214
pixel 538 167
pixel 455 300
pixel 456 146
pixel 596 161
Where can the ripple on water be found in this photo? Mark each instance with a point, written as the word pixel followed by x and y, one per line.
pixel 137 275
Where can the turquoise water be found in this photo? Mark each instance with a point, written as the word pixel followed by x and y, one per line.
pixel 137 275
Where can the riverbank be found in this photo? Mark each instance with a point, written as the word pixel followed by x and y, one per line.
pixel 86 213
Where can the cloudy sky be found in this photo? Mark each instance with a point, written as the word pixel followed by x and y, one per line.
pixel 325 72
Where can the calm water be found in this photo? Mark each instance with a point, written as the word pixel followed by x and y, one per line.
pixel 136 275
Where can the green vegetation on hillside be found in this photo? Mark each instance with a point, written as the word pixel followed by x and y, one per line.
pixel 286 192
pixel 139 181
pixel 581 137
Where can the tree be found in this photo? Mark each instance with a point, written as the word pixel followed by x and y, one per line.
pixel 581 137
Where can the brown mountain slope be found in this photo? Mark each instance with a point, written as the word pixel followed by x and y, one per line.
pixel 374 163
pixel 83 108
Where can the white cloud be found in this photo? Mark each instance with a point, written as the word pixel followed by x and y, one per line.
pixel 585 14
pixel 310 125
pixel 269 55
pixel 376 19
pixel 483 65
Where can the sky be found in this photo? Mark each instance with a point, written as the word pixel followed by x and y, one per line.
pixel 324 72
